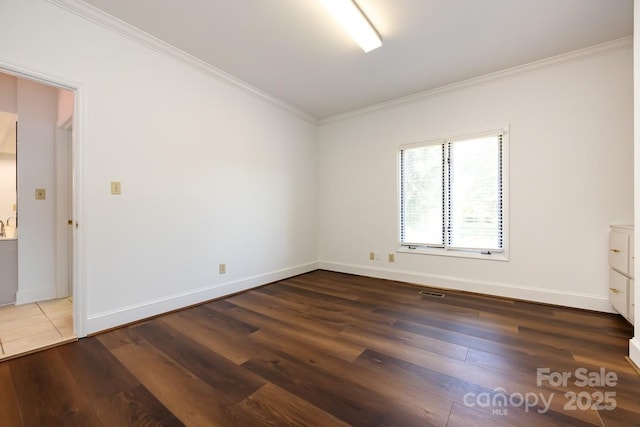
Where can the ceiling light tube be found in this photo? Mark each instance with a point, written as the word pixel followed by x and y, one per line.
pixel 349 15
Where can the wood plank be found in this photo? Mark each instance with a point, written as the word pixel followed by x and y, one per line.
pixel 118 337
pixel 221 322
pixel 135 407
pixel 399 341
pixel 321 311
pixel 207 333
pixel 331 345
pixel 308 385
pixel 463 416
pixel 190 399
pixel 96 370
pixel 627 396
pixel 273 406
pixel 486 378
pixel 210 367
pixel 328 288
pixel 427 310
pixel 448 386
pixel 462 392
pixel 47 392
pixel 594 330
pixel 613 361
pixel 483 340
pixel 338 395
pixel 410 397
pixel 304 305
pixel 10 412
pixel 620 417
pixel 329 298
pixel 261 304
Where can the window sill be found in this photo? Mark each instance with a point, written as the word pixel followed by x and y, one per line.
pixel 500 256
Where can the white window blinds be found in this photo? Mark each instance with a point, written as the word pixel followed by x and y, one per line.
pixel 451 194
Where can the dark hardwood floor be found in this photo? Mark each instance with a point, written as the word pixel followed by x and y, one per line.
pixel 330 349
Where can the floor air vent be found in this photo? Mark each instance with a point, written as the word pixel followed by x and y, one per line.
pixel 431 294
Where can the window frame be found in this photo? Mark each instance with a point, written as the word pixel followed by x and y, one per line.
pixel 502 255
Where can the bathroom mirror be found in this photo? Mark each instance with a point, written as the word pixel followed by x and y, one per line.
pixel 8 177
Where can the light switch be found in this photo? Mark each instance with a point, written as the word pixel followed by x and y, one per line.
pixel 116 187
pixel 41 194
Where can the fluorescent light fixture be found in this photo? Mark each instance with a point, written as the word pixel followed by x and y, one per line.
pixel 349 15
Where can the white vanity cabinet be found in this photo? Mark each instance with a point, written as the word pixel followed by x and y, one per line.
pixel 621 270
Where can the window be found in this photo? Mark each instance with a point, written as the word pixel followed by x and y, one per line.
pixel 452 196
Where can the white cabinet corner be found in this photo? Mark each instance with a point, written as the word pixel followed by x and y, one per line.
pixel 621 270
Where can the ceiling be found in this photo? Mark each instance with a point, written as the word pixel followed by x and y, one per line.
pixel 294 51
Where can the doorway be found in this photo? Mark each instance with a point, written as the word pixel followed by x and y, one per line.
pixel 44 307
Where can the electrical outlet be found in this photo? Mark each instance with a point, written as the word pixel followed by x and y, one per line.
pixel 392 257
pixel 372 256
pixel 41 194
pixel 222 268
pixel 116 187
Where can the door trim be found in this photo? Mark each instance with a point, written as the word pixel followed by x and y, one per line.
pixel 64 207
pixel 77 179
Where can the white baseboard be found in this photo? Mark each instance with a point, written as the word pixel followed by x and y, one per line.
pixel 33 295
pixel 121 316
pixel 546 296
pixel 634 350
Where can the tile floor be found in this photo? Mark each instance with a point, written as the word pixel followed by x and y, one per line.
pixel 28 327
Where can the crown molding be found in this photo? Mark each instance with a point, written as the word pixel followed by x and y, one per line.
pixel 554 61
pixel 130 32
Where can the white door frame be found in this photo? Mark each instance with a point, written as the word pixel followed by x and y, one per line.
pixel 64 208
pixel 78 272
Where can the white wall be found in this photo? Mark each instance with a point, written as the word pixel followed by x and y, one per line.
pixel 571 161
pixel 65 107
pixel 209 173
pixel 8 93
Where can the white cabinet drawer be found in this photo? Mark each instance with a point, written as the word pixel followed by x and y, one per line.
pixel 619 251
pixel 618 292
pixel 621 271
